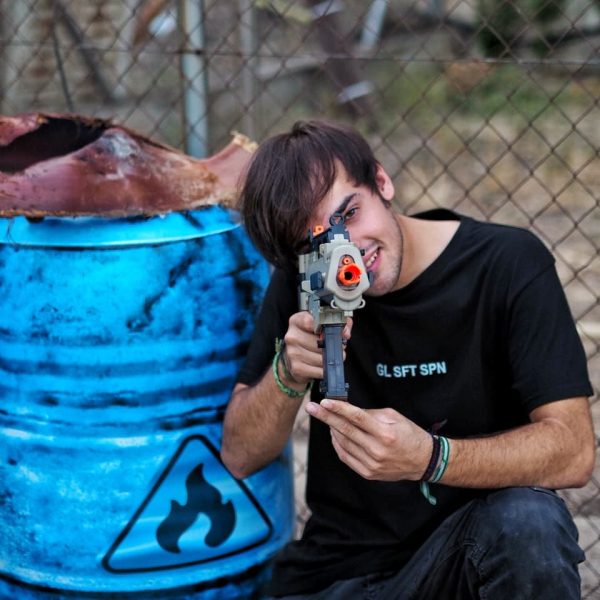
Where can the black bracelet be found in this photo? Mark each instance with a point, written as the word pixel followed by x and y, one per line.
pixel 433 461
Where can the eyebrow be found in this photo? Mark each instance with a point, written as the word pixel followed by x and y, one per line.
pixel 343 205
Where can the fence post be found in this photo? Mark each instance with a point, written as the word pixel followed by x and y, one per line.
pixel 193 69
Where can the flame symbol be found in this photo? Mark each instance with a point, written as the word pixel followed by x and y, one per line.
pixel 202 498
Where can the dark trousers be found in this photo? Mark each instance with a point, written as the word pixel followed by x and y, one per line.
pixel 515 544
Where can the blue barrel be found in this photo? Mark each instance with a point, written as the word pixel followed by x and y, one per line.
pixel 120 340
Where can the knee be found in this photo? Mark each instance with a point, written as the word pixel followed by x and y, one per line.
pixel 518 543
pixel 533 514
pixel 531 528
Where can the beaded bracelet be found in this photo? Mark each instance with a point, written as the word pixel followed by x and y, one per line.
pixel 292 393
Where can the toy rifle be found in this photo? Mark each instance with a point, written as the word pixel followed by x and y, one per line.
pixel 332 279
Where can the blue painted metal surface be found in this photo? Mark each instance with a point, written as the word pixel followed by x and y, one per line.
pixel 119 344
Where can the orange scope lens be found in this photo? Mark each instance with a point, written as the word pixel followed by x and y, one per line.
pixel 349 275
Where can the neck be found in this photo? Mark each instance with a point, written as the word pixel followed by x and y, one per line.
pixel 423 242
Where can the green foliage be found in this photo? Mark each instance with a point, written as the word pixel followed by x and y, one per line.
pixel 507 89
pixel 420 93
pixel 504 23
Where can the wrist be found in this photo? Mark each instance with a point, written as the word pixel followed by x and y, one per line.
pixel 289 388
pixel 440 456
pixel 431 458
pixel 285 370
pixel 286 377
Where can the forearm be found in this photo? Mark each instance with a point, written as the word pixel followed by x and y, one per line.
pixel 257 425
pixel 549 452
pixel 556 449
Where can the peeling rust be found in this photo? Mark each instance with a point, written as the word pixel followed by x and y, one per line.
pixel 70 165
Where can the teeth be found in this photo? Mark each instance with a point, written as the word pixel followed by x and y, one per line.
pixel 371 260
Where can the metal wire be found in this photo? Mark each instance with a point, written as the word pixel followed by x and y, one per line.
pixel 489 107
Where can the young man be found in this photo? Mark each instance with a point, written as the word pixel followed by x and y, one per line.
pixel 468 392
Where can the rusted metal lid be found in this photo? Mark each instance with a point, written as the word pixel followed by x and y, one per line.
pixel 70 165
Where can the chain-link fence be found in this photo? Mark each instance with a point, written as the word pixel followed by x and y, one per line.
pixel 489 107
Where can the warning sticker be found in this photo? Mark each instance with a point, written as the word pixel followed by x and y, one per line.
pixel 195 513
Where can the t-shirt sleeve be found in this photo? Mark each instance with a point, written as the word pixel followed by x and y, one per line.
pixel 279 303
pixel 546 356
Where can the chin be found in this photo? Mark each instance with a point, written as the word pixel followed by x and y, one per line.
pixel 381 287
pixel 377 290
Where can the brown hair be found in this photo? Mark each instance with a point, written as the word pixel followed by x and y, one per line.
pixel 290 174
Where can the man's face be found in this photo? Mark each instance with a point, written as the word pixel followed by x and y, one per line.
pixel 372 226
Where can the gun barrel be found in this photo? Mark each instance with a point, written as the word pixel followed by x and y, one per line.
pixel 348 274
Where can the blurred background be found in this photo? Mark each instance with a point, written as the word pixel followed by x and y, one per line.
pixel 488 107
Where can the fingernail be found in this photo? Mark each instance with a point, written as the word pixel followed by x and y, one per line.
pixel 326 403
pixel 311 408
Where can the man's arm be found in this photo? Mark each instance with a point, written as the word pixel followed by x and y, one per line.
pixel 257 425
pixel 556 450
pixel 260 418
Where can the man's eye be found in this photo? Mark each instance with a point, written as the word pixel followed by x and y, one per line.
pixel 349 214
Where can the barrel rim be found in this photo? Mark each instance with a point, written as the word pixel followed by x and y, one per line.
pixel 103 232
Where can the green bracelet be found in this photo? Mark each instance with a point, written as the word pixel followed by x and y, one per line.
pixel 280 347
pixel 284 388
pixel 439 470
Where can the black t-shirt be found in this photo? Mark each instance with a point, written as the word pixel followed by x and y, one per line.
pixel 479 339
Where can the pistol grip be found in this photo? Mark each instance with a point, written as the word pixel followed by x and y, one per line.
pixel 334 383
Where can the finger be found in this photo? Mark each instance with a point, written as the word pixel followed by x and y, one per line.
pixel 339 423
pixel 359 450
pixel 303 320
pixel 305 365
pixel 304 348
pixel 298 339
pixel 364 448
pixel 347 446
pixel 347 333
pixel 347 412
pixel 317 410
pixel 353 461
pixel 304 358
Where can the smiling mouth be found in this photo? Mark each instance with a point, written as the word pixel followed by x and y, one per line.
pixel 372 259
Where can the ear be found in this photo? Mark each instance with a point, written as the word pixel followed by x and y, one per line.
pixel 384 183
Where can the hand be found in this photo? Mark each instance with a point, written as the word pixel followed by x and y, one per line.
pixel 302 355
pixel 379 444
